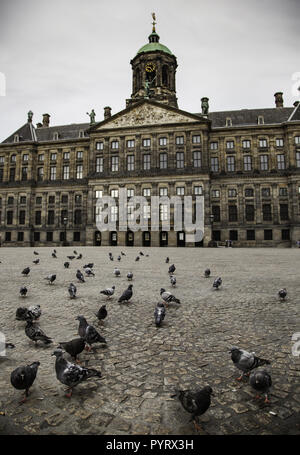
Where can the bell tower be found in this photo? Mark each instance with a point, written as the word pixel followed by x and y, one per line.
pixel 153 72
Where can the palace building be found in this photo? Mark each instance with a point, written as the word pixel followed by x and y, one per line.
pixel 246 164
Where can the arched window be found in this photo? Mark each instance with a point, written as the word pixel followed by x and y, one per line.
pixel 165 75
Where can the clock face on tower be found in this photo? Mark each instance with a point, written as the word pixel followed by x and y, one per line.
pixel 150 67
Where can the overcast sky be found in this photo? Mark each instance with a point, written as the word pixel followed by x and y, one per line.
pixel 65 57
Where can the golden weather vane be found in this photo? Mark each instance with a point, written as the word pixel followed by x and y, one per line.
pixel 153 23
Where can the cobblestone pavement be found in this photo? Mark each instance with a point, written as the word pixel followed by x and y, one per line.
pixel 141 363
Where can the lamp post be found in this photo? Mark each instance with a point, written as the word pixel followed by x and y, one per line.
pixel 65 221
pixel 211 218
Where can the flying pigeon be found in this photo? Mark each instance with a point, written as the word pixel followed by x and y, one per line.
pixel 137 258
pixel 66 265
pixel 71 257
pixel 117 272
pixel 207 273
pixel 173 280
pixel 102 313
pixel 73 347
pixel 129 276
pixel 23 291
pixel 72 290
pixel 159 314
pixel 167 260
pixel 23 377
pixel 35 252
pixel 36 261
pixel 172 269
pixel 35 333
pixel 70 374
pixel 54 255
pixel 80 277
pixel 26 271
pixel 261 381
pixel 196 403
pixel 217 282
pixel 168 297
pixel 282 294
pixel 89 333
pixel 126 296
pixel 89 272
pixel 246 361
pixel 108 291
pixel 51 278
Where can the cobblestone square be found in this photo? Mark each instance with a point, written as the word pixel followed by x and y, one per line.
pixel 142 364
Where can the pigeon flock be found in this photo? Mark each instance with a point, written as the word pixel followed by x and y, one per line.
pixel 195 401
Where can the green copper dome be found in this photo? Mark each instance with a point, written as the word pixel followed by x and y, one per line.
pixel 154 45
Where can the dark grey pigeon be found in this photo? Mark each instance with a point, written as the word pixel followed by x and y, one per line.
pixel 217 282
pixel 26 271
pixel 102 313
pixel 119 258
pixel 167 260
pixel 173 280
pixel 117 272
pixel 159 314
pixel 123 254
pixel 129 276
pixel 54 255
pixel 108 291
pixel 141 253
pixel 126 296
pixel 23 291
pixel 36 261
pixel 75 252
pixel 23 377
pixel 80 277
pixel 207 273
pixel 72 290
pixel 282 293
pixel 195 402
pixel 66 265
pixel 51 278
pixel 246 361
pixel 71 257
pixel 172 269
pixel 73 347
pixel 35 252
pixel 261 381
pixel 111 258
pixel 70 374
pixel 79 257
pixel 137 258
pixel 35 333
pixel 22 314
pixel 54 251
pixel 90 265
pixel 89 272
pixel 89 333
pixel 168 297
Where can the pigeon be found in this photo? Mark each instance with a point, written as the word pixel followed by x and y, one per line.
pixel 168 297
pixel 75 252
pixel 119 258
pixel 51 278
pixel 137 258
pixel 34 312
pixel 217 282
pixel 72 290
pixel 141 253
pixel 126 296
pixel 54 255
pixel 90 265
pixel 23 291
pixel 117 272
pixel 35 333
pixel 89 272
pixel 167 260
pixel 73 347
pixel 110 254
pixel 111 258
pixel 80 277
pixel 129 276
pixel 89 333
pixel 282 294
pixel 66 265
pixel 195 402
pixel 79 257
pixel 172 269
pixel 108 291
pixel 206 273
pixel 123 254
pixel 173 280
pixel 102 313
pixel 23 377
pixel 261 381
pixel 159 314
pixel 26 271
pixel 22 314
pixel 246 361
pixel 71 257
pixel 35 252
pixel 54 251
pixel 36 261
pixel 70 374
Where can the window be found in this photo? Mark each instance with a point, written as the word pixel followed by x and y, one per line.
pixel 264 162
pixel 79 171
pixel 99 145
pixel 163 161
pixel 115 144
pixel 16 138
pixel 249 192
pixel 247 163
pixel 10 200
pixel 55 136
pixel 99 164
pixel 179 160
pixel 40 173
pixel 284 212
pixel 114 213
pixel 283 191
pixel 279 142
pixel 38 200
pixel 147 192
pixel 280 162
pixel 229 145
pixel 52 173
pixel 1 174
pixel 233 235
pixel 49 236
pixel 51 216
pixel 267 212
pixel 230 163
pixel 163 212
pixel 196 139
pixel 114 193
pixel 1 159
pixel 53 156
pixel 265 192
pixel 51 200
pixel 25 157
pixel 79 155
pixel 78 199
pixel 130 162
pixel 64 199
pixel 7 236
pixel 197 159
pixel 285 234
pixel 216 213
pixel 268 234
pixel 163 191
pixel 24 173
pixel 260 120
pixel 146 212
pixel 246 144
pixel 76 237
pixel 20 237
pixel 232 213
pixel 198 190
pixel 262 143
pixel 146 142
pixel 297 140
pixel 228 121
pixel 66 155
pixel 9 217
pixel 66 172
pixel 13 158
pixel 130 192
pixel 232 192
pixel 298 159
pixel 249 212
pixel 179 140
pixel 99 194
pixel 22 215
pixel 130 143
pixel 214 146
pixel 214 164
pixel 215 193
pixel 250 234
pixel 41 158
pixel 36 236
pixel 130 212
pixel 12 173
pixel 23 200
pixel 162 141
pixel 81 133
pixel 77 217
pixel 146 162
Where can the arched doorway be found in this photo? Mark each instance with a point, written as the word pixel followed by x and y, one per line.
pixel 181 238
pixel 97 240
pixel 163 238
pixel 146 238
pixel 113 238
pixel 129 238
